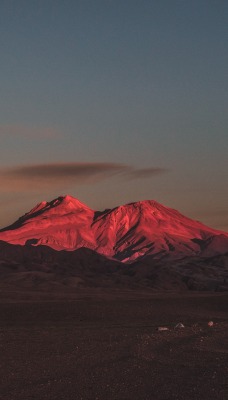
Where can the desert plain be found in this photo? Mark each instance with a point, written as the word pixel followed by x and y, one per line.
pixel 104 343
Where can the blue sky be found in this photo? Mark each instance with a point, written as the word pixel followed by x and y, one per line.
pixel 136 90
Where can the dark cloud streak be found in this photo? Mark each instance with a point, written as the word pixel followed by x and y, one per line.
pixel 146 173
pixel 35 177
pixel 77 170
pixel 65 170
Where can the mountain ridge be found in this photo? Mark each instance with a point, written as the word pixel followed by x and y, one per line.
pixel 125 233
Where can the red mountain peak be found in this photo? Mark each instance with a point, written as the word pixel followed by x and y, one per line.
pixel 60 205
pixel 126 233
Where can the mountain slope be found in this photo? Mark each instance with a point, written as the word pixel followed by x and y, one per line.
pixel 126 233
pixel 43 268
pixel 63 223
pixel 134 230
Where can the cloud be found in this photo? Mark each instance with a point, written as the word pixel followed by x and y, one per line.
pixel 37 177
pixel 146 172
pixel 32 132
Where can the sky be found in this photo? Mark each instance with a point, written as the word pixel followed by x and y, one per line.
pixel 114 101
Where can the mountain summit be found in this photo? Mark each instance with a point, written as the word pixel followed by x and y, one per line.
pixel 126 233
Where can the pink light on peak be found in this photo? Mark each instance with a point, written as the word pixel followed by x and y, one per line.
pixel 126 232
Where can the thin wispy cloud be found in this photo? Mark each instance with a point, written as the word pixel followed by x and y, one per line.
pixel 28 132
pixel 146 172
pixel 35 177
pixel 60 175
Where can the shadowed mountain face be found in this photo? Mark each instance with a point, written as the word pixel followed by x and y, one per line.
pixel 45 269
pixel 127 233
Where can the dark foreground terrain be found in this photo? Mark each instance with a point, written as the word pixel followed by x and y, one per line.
pixel 102 344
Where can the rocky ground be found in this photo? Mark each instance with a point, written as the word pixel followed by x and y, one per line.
pixel 105 344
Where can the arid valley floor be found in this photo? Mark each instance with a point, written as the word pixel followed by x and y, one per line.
pixel 104 344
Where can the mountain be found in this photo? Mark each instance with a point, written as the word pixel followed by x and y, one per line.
pixel 64 223
pixel 127 233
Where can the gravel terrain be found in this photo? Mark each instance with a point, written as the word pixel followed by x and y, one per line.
pixel 106 345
